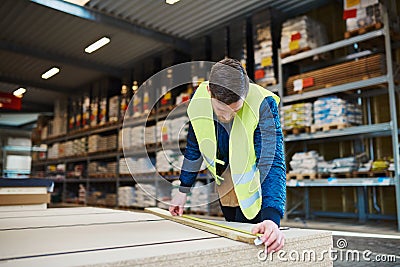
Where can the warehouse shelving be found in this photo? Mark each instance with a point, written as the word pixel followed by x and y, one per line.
pixel 379 129
pixel 364 131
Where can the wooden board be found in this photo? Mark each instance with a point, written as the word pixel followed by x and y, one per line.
pixel 131 256
pixel 47 241
pixel 234 235
pixel 74 220
pixel 56 212
pixel 156 242
pixel 352 71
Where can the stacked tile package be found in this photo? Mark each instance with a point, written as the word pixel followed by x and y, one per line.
pixel 302 33
pixel 296 116
pixel 333 110
pixel 126 196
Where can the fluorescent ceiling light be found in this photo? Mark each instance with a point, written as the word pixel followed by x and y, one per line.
pixel 98 44
pixel 78 2
pixel 19 92
pixel 171 2
pixel 51 72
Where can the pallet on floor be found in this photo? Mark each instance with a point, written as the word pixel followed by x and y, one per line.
pixel 296 130
pixel 301 176
pixel 362 30
pixel 329 126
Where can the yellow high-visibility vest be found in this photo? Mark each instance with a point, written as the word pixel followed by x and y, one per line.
pixel 242 156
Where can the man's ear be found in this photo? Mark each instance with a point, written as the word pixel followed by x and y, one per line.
pixel 208 89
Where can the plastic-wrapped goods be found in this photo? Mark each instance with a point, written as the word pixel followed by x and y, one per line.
pixel 97 143
pixel 304 162
pixel 140 165
pixel 301 33
pixel 200 197
pixel 172 130
pixel 334 110
pixel 145 195
pixel 263 54
pixel 126 196
pixel 113 108
pixel 169 160
pixel 123 167
pixel 53 151
pixel 362 13
pixel 297 115
pixel 341 165
pixel 150 135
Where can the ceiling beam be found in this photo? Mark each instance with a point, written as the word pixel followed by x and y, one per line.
pixel 88 14
pixel 41 85
pixel 38 53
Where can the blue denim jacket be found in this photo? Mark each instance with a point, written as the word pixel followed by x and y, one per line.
pixel 268 144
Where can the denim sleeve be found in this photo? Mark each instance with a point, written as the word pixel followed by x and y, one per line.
pixel 268 143
pixel 191 163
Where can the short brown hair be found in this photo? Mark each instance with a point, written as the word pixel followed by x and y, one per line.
pixel 228 81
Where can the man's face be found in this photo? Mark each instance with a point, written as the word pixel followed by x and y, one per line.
pixel 225 113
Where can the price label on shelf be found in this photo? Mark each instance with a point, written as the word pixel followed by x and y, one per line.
pixel 298 85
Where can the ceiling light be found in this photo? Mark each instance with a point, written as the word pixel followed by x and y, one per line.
pixel 78 2
pixel 171 2
pixel 98 44
pixel 19 92
pixel 51 72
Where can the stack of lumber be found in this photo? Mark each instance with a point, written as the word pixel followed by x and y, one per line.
pixel 103 237
pixel 352 71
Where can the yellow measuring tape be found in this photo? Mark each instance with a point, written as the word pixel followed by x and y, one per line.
pixel 220 225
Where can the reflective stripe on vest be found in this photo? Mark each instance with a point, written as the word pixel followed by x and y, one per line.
pixel 242 157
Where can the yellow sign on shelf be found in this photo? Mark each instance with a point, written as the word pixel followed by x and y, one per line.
pixel 266 62
pixel 293 45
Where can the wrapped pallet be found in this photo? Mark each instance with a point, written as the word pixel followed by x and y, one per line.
pixel 296 116
pixel 361 14
pixel 302 33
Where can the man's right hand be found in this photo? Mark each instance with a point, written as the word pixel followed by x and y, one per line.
pixel 177 203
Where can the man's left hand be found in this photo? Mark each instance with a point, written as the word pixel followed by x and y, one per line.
pixel 272 237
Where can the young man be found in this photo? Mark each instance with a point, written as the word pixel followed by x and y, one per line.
pixel 235 128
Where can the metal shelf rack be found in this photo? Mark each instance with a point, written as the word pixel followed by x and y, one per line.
pixel 364 131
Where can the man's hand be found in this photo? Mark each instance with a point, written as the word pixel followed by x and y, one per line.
pixel 272 236
pixel 177 203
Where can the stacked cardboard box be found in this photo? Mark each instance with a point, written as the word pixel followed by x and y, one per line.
pixel 97 143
